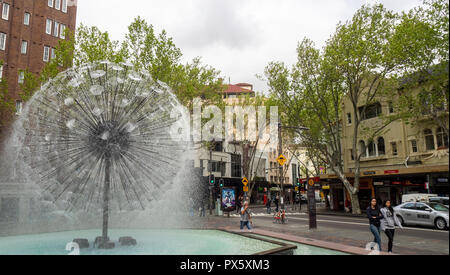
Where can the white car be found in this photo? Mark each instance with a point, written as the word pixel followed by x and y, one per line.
pixel 419 213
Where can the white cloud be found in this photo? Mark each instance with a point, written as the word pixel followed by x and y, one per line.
pixel 238 38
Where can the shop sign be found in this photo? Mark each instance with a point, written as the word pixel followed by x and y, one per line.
pixel 368 173
pixel 326 187
pixel 377 183
pixel 396 183
pixel 442 180
pixel 388 172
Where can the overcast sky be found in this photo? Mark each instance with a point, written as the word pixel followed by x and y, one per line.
pixel 237 37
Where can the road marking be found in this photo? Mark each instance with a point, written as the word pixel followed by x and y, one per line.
pixel 365 224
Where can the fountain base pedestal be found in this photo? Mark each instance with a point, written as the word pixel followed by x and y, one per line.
pixel 103 243
pixel 127 241
pixel 82 243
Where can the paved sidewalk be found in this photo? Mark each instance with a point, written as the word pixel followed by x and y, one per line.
pixel 304 209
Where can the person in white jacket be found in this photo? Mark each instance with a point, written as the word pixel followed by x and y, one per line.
pixel 389 222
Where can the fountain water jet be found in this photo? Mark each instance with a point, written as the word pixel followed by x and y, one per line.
pixel 104 136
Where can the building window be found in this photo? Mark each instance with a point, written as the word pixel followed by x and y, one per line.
pixel 442 138
pixel 352 157
pixel 56 29
pixel 21 77
pixel 236 166
pixel 62 31
pixel 53 55
pixel 5 13
pixel 349 119
pixel 362 149
pixel 414 146
pixel 429 140
pixel 2 41
pixel 48 27
pixel 64 6
pixel 50 3
pixel 372 149
pixel 1 72
pixel 381 147
pixel 26 19
pixel 57 4
pixel 18 107
pixel 46 54
pixel 370 111
pixel 24 47
pixel 394 149
pixel 391 107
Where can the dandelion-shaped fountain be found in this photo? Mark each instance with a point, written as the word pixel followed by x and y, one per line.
pixel 104 135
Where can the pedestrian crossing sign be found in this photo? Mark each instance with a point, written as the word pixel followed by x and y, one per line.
pixel 281 160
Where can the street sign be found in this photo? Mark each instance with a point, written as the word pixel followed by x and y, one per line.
pixel 245 188
pixel 281 160
pixel 245 181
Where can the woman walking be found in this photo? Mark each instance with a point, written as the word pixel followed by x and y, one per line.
pixel 375 216
pixel 389 222
pixel 245 217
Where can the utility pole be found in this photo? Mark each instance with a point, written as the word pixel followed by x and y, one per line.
pixel 280 149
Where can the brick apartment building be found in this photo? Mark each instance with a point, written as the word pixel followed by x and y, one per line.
pixel 29 33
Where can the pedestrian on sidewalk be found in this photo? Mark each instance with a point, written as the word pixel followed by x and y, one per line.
pixel 239 203
pixel 191 207
pixel 389 222
pixel 268 206
pixel 202 208
pixel 375 216
pixel 276 200
pixel 245 216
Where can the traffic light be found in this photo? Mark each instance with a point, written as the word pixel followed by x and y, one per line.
pixel 212 179
pixel 221 183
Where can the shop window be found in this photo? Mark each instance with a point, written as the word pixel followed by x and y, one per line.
pixel 442 138
pixel 429 140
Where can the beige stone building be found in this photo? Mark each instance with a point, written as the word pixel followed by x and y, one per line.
pixel 403 158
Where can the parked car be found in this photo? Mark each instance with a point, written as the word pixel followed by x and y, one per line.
pixel 419 213
pixel 442 200
pixel 417 197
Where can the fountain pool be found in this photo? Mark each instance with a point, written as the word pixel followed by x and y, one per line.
pixel 150 242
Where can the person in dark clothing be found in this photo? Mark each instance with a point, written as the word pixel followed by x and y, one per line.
pixel 268 206
pixel 375 216
pixel 239 204
pixel 276 200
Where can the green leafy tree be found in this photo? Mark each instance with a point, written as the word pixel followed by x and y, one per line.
pixel 360 63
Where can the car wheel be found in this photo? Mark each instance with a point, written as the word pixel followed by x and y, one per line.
pixel 440 223
pixel 400 219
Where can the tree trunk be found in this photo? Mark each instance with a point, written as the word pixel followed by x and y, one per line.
pixel 355 204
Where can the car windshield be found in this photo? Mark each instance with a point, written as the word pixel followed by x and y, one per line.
pixel 438 207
